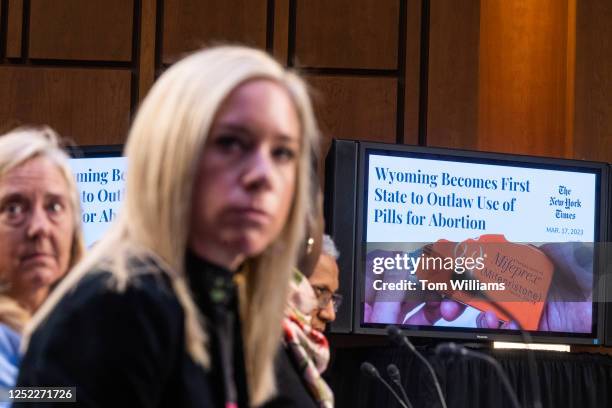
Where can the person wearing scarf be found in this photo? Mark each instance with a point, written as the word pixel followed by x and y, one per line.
pixel 305 353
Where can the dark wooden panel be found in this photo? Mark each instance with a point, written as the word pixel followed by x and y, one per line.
pixel 14 28
pixel 411 80
pixel 281 30
pixel 355 108
pixel 146 65
pixel 523 77
pixel 191 24
pixel 83 30
pixel 452 119
pixel 570 83
pixel 593 108
pixel 347 34
pixel 88 105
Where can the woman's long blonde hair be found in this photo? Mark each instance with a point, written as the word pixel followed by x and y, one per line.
pixel 16 148
pixel 164 144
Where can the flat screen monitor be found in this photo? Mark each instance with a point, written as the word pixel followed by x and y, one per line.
pixel 100 175
pixel 473 245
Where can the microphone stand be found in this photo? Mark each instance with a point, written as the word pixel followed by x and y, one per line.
pixel 396 336
pixel 531 363
pixel 369 369
pixel 394 375
pixel 464 351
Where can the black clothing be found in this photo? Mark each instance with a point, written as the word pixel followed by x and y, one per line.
pixel 128 348
pixel 292 390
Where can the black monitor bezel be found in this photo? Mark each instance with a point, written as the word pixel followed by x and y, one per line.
pixel 95 151
pixel 601 170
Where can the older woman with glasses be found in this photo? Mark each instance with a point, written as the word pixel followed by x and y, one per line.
pixel 325 282
pixel 305 355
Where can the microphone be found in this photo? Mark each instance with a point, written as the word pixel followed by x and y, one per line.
pixel 457 349
pixel 371 371
pixel 399 339
pixel 531 363
pixel 394 374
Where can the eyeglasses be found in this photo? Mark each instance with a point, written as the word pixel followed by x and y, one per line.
pixel 324 296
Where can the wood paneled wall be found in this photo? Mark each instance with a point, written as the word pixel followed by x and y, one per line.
pixel 500 75
pixel 452 108
pixel 70 64
pixel 593 99
pixel 523 76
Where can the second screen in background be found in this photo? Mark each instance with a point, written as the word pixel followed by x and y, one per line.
pixel 101 184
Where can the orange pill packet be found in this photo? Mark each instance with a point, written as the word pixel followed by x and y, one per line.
pixel 482 265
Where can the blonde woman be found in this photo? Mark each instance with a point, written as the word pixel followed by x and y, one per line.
pixel 217 191
pixel 40 234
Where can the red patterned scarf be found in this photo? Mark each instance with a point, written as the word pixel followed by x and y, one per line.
pixel 308 346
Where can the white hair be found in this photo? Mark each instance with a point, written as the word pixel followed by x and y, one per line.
pixel 329 247
pixel 26 143
pixel 16 148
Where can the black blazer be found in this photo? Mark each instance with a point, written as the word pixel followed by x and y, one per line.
pixel 128 348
